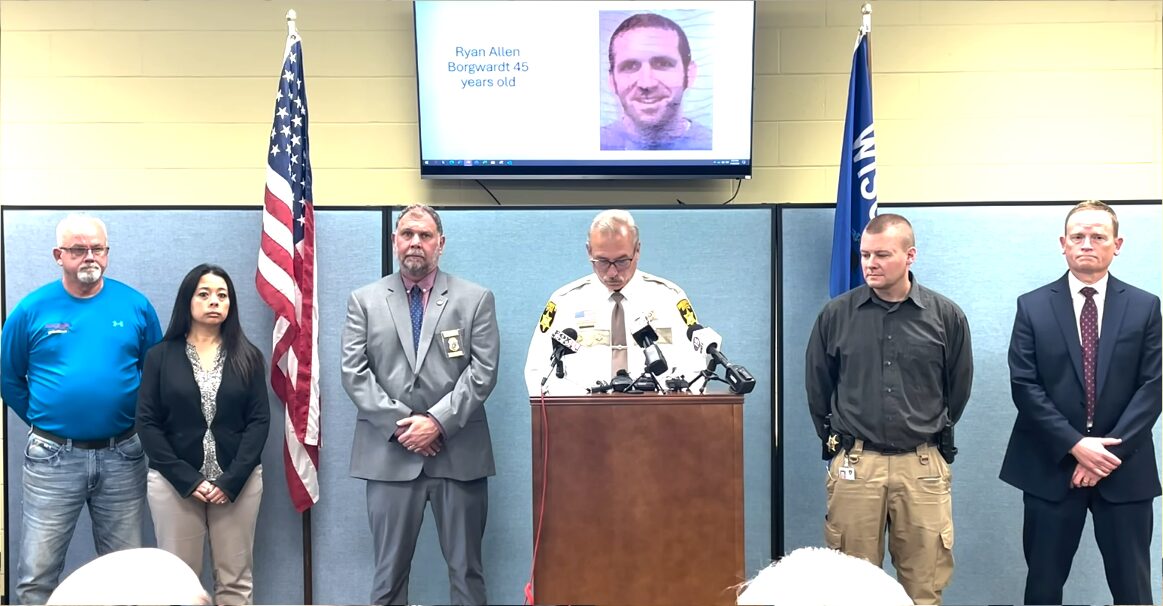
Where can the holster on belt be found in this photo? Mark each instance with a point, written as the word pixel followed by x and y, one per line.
pixel 834 441
pixel 945 444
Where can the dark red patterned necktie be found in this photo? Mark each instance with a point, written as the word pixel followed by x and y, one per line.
pixel 1088 325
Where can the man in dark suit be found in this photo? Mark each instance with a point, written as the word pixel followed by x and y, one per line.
pixel 1085 375
pixel 420 351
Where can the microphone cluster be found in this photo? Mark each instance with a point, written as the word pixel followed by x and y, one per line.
pixel 704 340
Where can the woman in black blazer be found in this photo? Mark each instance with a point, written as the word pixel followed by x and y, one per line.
pixel 202 415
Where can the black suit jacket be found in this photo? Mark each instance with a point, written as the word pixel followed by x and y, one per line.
pixel 171 423
pixel 1045 361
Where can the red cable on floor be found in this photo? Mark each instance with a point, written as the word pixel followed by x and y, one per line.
pixel 541 505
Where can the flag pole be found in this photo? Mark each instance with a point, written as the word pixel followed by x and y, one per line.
pixel 308 577
pixel 286 282
pixel 866 29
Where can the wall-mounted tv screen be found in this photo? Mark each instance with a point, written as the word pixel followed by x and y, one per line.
pixel 604 89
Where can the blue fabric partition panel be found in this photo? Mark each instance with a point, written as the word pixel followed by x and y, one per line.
pixel 723 258
pixel 982 257
pixel 152 250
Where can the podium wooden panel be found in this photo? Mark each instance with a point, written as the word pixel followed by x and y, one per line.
pixel 645 499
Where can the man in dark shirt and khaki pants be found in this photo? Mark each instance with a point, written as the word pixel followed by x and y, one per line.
pixel 889 365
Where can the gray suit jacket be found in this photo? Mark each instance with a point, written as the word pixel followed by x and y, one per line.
pixel 387 381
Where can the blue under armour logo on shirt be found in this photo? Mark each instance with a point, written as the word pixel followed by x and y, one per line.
pixel 416 310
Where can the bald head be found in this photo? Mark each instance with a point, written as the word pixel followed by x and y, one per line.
pixel 132 576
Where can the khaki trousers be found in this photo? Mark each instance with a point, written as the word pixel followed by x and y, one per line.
pixel 907 494
pixel 183 524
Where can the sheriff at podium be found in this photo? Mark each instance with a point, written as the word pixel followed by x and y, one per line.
pixel 592 329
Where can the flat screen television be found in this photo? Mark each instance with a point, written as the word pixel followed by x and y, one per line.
pixel 571 90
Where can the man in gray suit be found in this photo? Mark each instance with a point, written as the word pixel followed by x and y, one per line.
pixel 420 351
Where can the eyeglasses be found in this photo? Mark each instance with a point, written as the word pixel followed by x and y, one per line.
pixel 81 251
pixel 606 264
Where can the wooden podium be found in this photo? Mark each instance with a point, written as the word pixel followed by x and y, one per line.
pixel 645 499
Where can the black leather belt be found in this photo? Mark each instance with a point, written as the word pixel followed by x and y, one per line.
pixel 891 450
pixel 87 444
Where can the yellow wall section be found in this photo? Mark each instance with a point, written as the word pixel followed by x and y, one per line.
pixel 170 102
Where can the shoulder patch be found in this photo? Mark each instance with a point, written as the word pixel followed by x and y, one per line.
pixel 547 317
pixel 687 312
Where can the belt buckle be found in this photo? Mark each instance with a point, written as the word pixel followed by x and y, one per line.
pixel 886 450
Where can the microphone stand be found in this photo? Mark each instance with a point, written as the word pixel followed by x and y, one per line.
pixel 619 383
pixel 707 375
pixel 556 368
pixel 645 378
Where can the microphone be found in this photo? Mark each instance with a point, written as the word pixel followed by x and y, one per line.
pixel 564 343
pixel 706 340
pixel 646 338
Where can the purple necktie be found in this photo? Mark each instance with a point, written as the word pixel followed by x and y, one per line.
pixel 1088 325
pixel 416 310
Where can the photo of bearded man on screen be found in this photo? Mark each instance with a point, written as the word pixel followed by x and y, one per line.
pixel 650 71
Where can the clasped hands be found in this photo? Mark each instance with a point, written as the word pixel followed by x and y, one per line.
pixel 419 434
pixel 1095 462
pixel 209 493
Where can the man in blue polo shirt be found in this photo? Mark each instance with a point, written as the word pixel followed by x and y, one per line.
pixel 71 364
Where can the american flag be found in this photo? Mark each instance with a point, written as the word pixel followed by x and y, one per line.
pixel 286 278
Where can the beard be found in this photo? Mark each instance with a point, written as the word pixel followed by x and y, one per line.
pixel 415 268
pixel 659 127
pixel 89 275
pixel 661 124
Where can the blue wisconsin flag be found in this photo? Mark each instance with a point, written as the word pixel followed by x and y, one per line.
pixel 856 193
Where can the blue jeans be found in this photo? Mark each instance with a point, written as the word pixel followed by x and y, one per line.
pixel 58 481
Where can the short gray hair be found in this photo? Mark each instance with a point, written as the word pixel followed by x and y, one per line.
pixel 422 209
pixel 611 221
pixel 74 219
